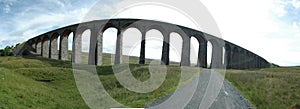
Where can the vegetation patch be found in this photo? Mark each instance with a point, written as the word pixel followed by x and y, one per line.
pixel 272 88
pixel 36 82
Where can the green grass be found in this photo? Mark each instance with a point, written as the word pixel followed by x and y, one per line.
pixel 36 82
pixel 272 88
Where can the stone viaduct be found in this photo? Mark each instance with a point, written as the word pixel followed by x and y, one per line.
pixel 224 54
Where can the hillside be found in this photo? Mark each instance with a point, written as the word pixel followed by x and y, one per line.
pixel 272 88
pixel 36 82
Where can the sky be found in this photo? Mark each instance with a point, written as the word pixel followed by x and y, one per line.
pixel 269 28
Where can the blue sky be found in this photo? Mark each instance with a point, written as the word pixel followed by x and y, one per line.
pixel 23 19
pixel 270 28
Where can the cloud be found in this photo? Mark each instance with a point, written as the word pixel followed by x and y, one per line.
pixel 278 8
pixel 261 28
pixel 6 5
pixel 296 3
pixel 26 20
pixel 265 29
pixel 268 28
pixel 6 8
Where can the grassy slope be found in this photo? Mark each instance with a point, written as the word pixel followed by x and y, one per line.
pixel 32 83
pixel 45 83
pixel 273 88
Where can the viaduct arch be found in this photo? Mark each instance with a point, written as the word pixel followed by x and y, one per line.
pixel 235 57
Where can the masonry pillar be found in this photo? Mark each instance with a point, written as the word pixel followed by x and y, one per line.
pixel 166 48
pixel 254 61
pixel 259 62
pixel 99 48
pixel 185 55
pixel 93 46
pixel 53 47
pixel 228 58
pixel 248 61
pixel 118 55
pixel 263 65
pixel 45 48
pixel 244 59
pixel 39 48
pixel 34 46
pixel 240 60
pixel 77 43
pixel 233 59
pixel 217 53
pixel 202 54
pixel 142 52
pixel 267 64
pixel 64 47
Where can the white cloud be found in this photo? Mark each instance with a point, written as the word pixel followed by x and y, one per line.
pixel 252 25
pixel 296 3
pixel 24 22
pixel 7 5
pixel 278 8
pixel 109 40
pixel 38 25
pixel 156 12
pixel 6 8
pixel 243 22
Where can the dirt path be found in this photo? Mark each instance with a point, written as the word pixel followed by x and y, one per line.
pixel 207 90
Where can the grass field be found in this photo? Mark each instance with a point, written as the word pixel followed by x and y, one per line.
pixel 36 82
pixel 30 82
pixel 272 88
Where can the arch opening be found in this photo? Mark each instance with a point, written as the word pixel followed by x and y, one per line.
pixel 209 54
pixel 223 55
pixel 131 45
pixel 85 45
pixel 70 46
pixel 176 42
pixel 194 50
pixel 63 48
pixel 58 47
pixel 154 44
pixel 109 45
